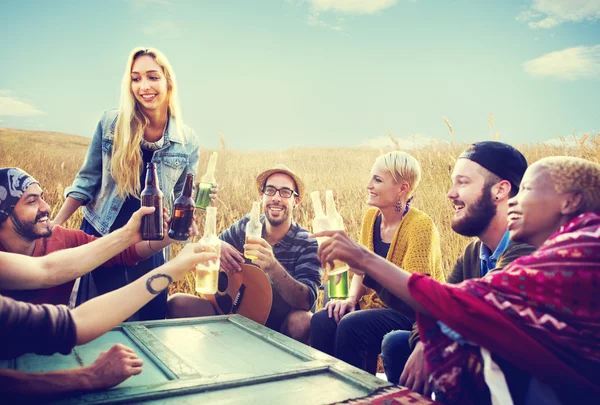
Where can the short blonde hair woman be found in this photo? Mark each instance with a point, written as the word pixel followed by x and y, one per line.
pixel 147 127
pixel 352 329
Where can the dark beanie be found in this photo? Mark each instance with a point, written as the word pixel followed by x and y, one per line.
pixel 13 183
pixel 499 158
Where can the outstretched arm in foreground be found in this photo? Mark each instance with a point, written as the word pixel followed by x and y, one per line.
pixel 340 247
pixel 91 320
pixel 20 272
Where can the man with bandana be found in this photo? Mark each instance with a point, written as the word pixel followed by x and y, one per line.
pixel 485 176
pixel 25 229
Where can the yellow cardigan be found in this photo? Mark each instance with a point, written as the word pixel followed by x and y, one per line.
pixel 414 248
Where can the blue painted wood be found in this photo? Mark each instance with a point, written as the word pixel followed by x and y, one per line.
pixel 223 360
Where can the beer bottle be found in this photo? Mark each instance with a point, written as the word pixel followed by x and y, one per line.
pixel 320 222
pixel 337 223
pixel 152 224
pixel 207 274
pixel 253 227
pixel 183 211
pixel 206 183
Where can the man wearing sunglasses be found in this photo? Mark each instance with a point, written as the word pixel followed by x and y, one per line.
pixel 284 253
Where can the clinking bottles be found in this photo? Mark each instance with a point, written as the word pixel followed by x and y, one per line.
pixel 253 227
pixel 151 196
pixel 320 222
pixel 183 211
pixel 207 274
pixel 330 221
pixel 206 183
pixel 339 290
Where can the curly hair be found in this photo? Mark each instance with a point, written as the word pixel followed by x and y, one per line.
pixel 573 174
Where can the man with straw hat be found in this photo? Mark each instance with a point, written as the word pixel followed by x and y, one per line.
pixel 284 253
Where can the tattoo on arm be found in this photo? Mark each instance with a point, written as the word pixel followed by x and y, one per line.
pixel 154 291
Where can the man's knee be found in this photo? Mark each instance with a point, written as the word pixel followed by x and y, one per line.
pixel 395 343
pixel 297 325
pixel 187 306
pixel 319 321
pixel 352 322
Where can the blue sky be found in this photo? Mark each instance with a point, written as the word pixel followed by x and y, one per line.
pixel 277 74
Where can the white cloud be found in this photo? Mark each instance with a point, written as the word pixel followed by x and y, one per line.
pixel 10 106
pixel 352 6
pixel 550 13
pixel 413 141
pixel 165 29
pixel 569 64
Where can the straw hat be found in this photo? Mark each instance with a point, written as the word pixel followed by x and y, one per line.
pixel 279 168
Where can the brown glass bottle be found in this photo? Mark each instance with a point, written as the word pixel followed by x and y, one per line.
pixel 183 211
pixel 152 224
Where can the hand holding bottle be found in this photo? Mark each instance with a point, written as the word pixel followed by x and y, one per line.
pixel 339 246
pixel 207 188
pixel 253 229
pixel 193 254
pixel 261 252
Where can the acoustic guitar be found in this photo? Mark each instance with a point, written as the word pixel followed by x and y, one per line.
pixel 247 293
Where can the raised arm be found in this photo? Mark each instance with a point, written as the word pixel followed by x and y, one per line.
pixel 88 321
pixel 87 180
pixel 66 211
pixel 340 247
pixel 92 319
pixel 20 272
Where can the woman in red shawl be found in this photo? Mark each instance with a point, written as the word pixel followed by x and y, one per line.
pixel 535 323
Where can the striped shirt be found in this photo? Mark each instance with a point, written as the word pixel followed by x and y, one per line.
pixel 296 252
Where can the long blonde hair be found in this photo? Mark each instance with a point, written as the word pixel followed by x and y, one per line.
pixel 126 163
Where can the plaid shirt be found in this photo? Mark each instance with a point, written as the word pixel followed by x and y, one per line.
pixel 295 252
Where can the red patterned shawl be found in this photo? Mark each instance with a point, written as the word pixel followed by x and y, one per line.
pixel 541 313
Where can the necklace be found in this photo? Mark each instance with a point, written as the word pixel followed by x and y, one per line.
pixel 156 145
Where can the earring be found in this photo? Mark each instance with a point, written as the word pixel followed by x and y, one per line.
pixel 496 197
pixel 398 206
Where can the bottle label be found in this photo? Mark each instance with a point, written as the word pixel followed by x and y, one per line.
pixel 181 222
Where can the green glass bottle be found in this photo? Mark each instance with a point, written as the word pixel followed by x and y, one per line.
pixel 336 222
pixel 341 289
pixel 207 183
pixel 330 221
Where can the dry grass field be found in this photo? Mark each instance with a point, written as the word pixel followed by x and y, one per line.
pixel 54 159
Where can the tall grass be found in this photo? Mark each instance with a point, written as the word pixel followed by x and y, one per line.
pixel 54 159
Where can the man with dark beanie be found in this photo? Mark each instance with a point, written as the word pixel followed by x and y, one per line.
pixel 25 229
pixel 486 175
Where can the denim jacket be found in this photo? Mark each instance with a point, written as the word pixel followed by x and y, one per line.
pixel 95 187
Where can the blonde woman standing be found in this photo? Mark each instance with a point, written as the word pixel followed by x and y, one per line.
pixel 147 127
pixel 352 329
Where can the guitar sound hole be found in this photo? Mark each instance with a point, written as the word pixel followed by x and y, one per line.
pixel 223 281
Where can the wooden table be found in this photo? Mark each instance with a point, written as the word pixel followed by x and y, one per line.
pixel 218 360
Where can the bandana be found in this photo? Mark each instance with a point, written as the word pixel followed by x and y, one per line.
pixel 13 183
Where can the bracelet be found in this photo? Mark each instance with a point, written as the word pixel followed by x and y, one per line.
pixel 150 247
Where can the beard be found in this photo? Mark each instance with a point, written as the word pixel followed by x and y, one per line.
pixel 478 216
pixel 26 229
pixel 276 221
